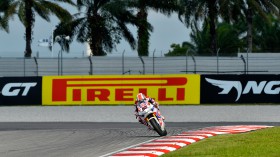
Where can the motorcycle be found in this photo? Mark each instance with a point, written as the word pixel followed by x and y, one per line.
pixel 153 118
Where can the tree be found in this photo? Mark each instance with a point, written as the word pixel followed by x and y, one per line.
pixel 179 50
pixel 229 10
pixel 27 9
pixel 267 34
pixel 165 7
pixel 101 23
pixel 200 39
pixel 235 10
pixel 3 23
pixel 6 12
pixel 229 39
pixel 203 10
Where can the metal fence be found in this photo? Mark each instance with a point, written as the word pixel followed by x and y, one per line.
pixel 139 65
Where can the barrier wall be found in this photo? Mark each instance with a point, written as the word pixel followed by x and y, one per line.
pixel 21 91
pixel 122 89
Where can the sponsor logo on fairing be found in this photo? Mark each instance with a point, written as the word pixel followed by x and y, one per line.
pixel 251 87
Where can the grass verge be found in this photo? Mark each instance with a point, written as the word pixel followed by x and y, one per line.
pixel 260 143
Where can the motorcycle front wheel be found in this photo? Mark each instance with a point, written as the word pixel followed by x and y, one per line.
pixel 157 128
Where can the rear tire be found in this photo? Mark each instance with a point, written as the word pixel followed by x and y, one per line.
pixel 157 128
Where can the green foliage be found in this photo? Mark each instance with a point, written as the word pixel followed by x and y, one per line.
pixel 201 39
pixel 26 11
pixel 257 143
pixel 165 7
pixel 204 11
pixel 178 50
pixel 236 10
pixel 267 34
pixel 229 40
pixel 6 12
pixel 102 24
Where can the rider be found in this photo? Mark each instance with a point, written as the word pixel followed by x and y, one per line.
pixel 141 105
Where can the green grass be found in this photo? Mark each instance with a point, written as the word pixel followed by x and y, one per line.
pixel 260 143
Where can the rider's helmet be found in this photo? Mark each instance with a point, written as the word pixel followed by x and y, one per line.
pixel 140 97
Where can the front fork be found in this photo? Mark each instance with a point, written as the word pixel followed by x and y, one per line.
pixel 149 117
pixel 159 120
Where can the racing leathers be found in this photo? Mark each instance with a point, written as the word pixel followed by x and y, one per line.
pixel 140 106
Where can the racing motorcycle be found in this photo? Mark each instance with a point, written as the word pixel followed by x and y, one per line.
pixel 153 118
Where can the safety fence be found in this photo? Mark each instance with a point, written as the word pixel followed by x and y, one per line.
pixel 139 65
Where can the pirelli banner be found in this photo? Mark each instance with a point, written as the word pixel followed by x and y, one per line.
pixel 21 91
pixel 120 89
pixel 240 89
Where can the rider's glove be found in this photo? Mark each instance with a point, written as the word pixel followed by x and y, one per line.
pixel 156 105
pixel 136 114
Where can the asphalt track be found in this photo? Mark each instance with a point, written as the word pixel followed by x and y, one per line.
pixel 84 139
pixel 31 132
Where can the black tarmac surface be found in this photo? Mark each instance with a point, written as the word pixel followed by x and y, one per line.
pixel 85 139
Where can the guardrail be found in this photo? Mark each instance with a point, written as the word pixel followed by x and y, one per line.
pixel 139 65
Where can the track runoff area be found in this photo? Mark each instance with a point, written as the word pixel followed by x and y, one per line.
pixel 167 144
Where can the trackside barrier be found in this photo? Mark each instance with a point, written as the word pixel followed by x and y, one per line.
pixel 21 91
pixel 120 89
pixel 240 89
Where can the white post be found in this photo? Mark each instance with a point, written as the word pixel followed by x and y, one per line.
pixel 88 50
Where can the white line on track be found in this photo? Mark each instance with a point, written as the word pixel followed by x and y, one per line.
pixel 106 155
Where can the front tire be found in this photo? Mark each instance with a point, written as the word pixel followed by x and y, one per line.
pixel 157 128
